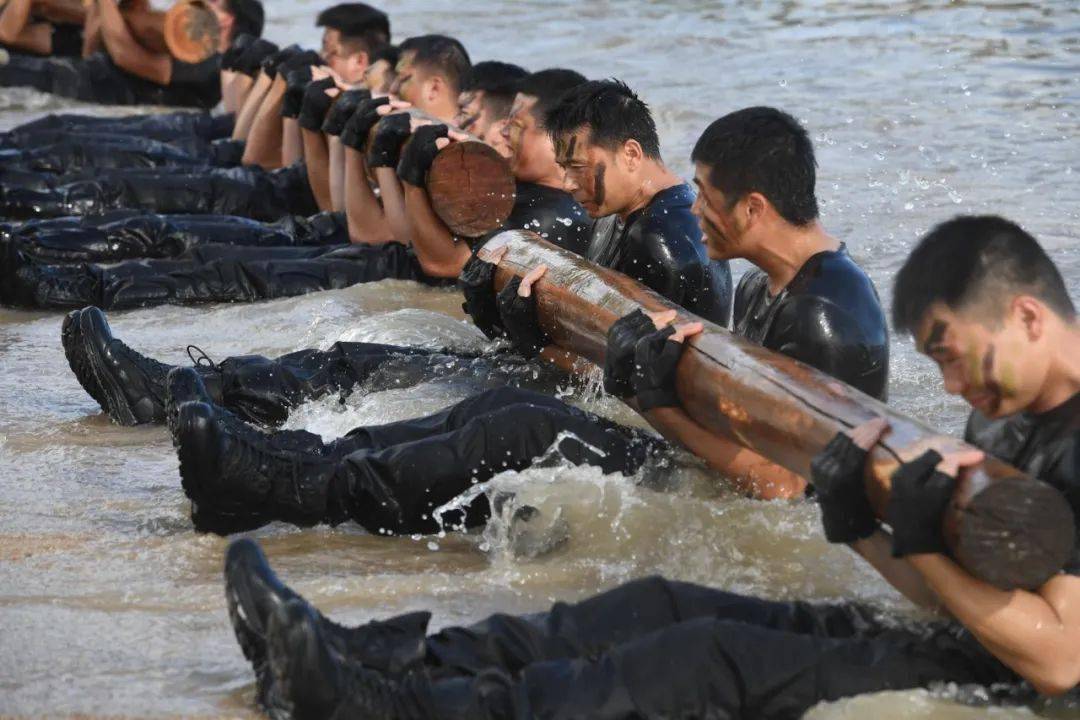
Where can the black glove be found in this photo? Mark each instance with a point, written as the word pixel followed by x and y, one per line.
pixel 518 315
pixel 356 130
pixel 231 57
pixel 477 281
pixel 272 62
pixel 917 502
pixel 417 158
pixel 655 358
pixel 622 337
pixel 315 105
pixel 390 135
pixel 836 474
pixel 342 110
pixel 302 60
pixel 251 59
pixel 296 82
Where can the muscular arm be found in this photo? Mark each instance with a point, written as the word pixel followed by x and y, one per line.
pixel 751 473
pixel 898 572
pixel 365 216
pixel 317 163
pixel 92 41
pixel 125 50
pixel 393 202
pixel 1037 634
pixel 337 173
pixel 16 30
pixel 292 143
pixel 264 141
pixel 235 87
pixel 246 116
pixel 438 253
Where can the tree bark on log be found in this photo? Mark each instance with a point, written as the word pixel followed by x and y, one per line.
pixel 470 186
pixel 1003 526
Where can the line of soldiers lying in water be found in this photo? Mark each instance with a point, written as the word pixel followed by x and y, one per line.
pixel 994 315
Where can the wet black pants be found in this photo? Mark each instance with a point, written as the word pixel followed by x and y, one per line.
pixel 85 152
pixel 209 274
pixel 245 191
pixel 158 126
pixel 125 235
pixel 97 79
pixel 390 478
pixel 654 648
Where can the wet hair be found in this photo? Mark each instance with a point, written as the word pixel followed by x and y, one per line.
pixel 498 81
pixel 362 27
pixel 248 17
pixel 980 261
pixel 547 86
pixel 441 53
pixel 763 150
pixel 611 111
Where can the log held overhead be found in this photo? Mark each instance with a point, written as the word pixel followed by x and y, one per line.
pixel 1004 527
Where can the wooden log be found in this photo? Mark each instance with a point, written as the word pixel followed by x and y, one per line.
pixel 1003 526
pixel 470 186
pixel 191 31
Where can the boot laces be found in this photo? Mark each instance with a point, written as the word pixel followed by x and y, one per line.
pixel 202 360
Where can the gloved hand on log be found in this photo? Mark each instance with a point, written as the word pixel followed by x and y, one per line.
pixel 343 109
pixel 837 475
pixel 390 135
pixel 517 310
pixel 316 103
pixel 356 130
pixel 272 63
pixel 921 492
pixel 622 338
pixel 296 82
pixel 417 158
pixel 231 57
pixel 251 59
pixel 477 281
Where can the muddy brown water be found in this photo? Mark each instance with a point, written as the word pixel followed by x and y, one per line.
pixel 111 605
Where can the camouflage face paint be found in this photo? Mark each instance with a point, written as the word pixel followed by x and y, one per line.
pixel 599 190
pixel 937 334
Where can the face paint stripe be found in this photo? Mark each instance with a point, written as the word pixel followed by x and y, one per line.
pixel 599 191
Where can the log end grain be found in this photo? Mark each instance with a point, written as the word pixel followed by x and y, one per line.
pixel 471 188
pixel 191 31
pixel 1015 533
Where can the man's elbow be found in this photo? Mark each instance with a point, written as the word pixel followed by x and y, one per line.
pixel 1056 677
pixel 440 268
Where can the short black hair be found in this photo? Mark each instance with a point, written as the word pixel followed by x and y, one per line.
pixel 362 26
pixel 498 81
pixel 764 150
pixel 547 86
pixel 611 111
pixel 976 260
pixel 248 17
pixel 389 53
pixel 444 54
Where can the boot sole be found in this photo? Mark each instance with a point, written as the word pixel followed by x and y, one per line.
pixel 120 412
pixel 71 339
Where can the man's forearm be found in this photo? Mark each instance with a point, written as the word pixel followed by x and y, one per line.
pixel 365 216
pixel 263 145
pixel 749 472
pixel 292 142
pixel 317 163
pixel 337 173
pixel 250 107
pixel 393 203
pixel 898 572
pixel 439 255
pixel 126 51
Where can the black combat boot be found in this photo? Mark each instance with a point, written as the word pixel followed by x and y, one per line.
pixel 28 283
pixel 253 591
pixel 227 466
pixel 313 683
pixel 132 384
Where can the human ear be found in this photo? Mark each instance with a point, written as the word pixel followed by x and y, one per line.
pixel 755 204
pixel 1032 316
pixel 632 154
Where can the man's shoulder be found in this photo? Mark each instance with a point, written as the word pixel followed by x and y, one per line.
pixel 666 222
